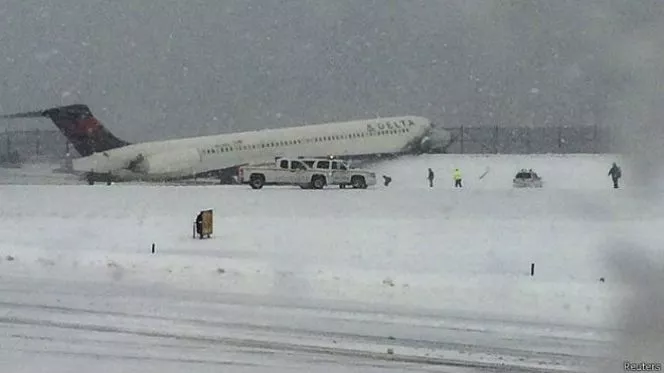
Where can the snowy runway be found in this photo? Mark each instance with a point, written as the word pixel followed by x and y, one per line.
pixel 297 280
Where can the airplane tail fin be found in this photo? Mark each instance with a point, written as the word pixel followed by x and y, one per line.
pixel 79 126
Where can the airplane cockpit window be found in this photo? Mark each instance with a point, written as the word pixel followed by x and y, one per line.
pixel 284 163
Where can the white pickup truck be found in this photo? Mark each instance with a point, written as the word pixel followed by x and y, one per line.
pixel 308 173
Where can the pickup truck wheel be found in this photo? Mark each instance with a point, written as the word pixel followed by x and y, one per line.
pixel 256 181
pixel 318 182
pixel 358 182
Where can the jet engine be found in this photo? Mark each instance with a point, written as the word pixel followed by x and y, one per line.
pixel 178 163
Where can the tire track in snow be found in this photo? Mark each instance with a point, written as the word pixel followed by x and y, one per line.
pixel 275 345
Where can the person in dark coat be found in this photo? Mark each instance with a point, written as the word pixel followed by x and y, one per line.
pixel 430 178
pixel 615 174
pixel 387 180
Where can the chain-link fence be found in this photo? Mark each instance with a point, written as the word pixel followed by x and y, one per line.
pixel 32 145
pixel 529 140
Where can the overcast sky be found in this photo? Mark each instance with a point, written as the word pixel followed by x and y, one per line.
pixel 170 68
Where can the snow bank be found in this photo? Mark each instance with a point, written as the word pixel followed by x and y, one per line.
pixel 466 253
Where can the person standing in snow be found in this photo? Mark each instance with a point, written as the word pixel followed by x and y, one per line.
pixel 430 178
pixel 615 174
pixel 457 178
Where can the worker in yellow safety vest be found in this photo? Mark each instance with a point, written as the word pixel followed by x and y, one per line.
pixel 457 178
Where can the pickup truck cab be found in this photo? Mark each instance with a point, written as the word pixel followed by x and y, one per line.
pixel 308 173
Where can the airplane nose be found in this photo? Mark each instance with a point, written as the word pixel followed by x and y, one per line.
pixel 424 145
pixel 433 139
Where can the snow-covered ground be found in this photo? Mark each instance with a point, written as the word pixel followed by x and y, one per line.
pixel 319 281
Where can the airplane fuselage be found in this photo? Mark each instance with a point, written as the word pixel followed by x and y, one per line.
pixel 182 158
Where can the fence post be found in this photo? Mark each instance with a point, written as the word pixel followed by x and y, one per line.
pixel 9 141
pixel 37 142
pixel 560 138
pixel 596 142
pixel 495 139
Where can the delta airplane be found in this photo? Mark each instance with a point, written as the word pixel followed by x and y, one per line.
pixel 105 157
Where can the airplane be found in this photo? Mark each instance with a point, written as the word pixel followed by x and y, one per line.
pixel 104 157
